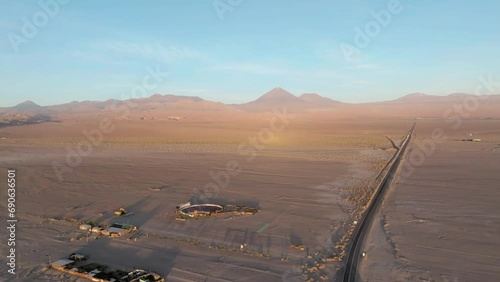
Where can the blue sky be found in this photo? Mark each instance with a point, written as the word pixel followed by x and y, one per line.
pixel 97 50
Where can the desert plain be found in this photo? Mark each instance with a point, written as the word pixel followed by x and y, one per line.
pixel 310 174
pixel 441 220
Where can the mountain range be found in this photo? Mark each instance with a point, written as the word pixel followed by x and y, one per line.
pixel 416 105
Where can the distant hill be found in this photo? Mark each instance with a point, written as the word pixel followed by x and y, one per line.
pixel 27 106
pixel 277 97
pixel 154 102
pixel 451 98
pixel 318 100
pixel 171 98
pixel 175 108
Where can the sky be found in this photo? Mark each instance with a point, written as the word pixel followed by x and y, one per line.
pixel 233 51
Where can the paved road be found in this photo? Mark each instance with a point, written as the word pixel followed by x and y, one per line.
pixel 354 250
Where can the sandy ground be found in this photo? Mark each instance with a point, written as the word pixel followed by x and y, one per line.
pixel 306 182
pixel 441 220
pixel 438 223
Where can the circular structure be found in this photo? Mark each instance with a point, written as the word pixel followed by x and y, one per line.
pixel 200 209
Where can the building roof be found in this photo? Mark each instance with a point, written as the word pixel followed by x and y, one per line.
pixel 115 229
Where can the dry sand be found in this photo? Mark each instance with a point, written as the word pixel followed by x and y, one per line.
pixel 441 222
pixel 303 182
pixel 438 224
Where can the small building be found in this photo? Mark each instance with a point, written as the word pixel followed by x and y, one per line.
pixel 62 264
pixel 128 227
pixel 85 227
pixel 97 272
pixel 114 231
pixel 96 229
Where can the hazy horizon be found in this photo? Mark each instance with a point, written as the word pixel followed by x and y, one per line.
pixel 252 99
pixel 361 52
